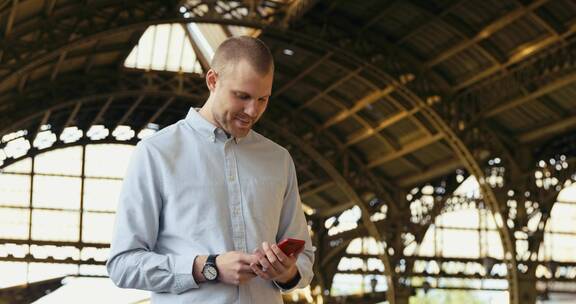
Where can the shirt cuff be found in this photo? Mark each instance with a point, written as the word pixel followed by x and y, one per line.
pixel 290 285
pixel 183 267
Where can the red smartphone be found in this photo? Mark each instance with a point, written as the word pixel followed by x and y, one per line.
pixel 291 246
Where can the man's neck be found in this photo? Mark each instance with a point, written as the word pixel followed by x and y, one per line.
pixel 207 114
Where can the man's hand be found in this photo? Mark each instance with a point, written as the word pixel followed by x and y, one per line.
pixel 233 267
pixel 275 264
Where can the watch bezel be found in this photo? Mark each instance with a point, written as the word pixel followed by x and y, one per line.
pixel 207 273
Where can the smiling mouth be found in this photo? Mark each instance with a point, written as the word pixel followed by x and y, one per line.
pixel 244 122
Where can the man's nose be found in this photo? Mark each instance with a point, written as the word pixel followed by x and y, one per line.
pixel 251 109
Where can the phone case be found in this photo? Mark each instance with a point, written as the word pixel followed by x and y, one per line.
pixel 291 246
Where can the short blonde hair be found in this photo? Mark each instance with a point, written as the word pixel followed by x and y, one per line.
pixel 236 49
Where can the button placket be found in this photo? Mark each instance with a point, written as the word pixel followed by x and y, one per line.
pixel 235 196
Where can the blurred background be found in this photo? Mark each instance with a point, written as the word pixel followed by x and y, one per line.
pixel 434 140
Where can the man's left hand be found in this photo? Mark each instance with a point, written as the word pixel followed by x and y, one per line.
pixel 274 264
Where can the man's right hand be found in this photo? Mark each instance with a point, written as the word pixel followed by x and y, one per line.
pixel 233 267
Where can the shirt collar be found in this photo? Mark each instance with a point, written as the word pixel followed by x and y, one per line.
pixel 200 124
pixel 206 128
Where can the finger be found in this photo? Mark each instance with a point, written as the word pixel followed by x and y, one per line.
pixel 273 259
pixel 278 267
pixel 263 260
pixel 259 253
pixel 259 272
pixel 246 258
pixel 282 257
pixel 269 268
pixel 269 253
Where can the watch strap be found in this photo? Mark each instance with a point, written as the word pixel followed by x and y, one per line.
pixel 211 260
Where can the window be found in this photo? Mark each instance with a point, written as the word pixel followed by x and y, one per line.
pixel 49 199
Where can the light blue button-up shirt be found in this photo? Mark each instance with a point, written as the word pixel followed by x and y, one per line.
pixel 190 190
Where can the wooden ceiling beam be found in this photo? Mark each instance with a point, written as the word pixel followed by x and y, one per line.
pixel 204 62
pixel 334 210
pixel 548 130
pixel 359 105
pixel 381 13
pixel 331 87
pixel 22 82
pixel 363 134
pixel 551 87
pixel 56 69
pixel 520 54
pixel 130 110
pixel 552 106
pixel 294 10
pixel 43 122
pixel 11 17
pixel 409 148
pixel 72 117
pixel 320 188
pixel 49 7
pixel 302 74
pixel 90 58
pixel 103 110
pixel 486 32
pixel 441 168
pixel 433 18
pixel 159 112
pixel 414 162
pixel 534 16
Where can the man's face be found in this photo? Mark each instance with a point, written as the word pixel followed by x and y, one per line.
pixel 240 97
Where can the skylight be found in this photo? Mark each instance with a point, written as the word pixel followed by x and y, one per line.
pixel 178 48
pixel 164 47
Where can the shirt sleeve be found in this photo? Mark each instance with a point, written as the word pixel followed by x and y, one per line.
pixel 293 225
pixel 132 262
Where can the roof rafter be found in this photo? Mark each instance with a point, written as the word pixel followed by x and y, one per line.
pixel 520 54
pixel 302 74
pixel 11 17
pixel 409 148
pixel 544 131
pixel 487 31
pixel 510 104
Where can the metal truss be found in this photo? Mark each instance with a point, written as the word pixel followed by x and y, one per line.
pixel 83 89
pixel 449 123
pixel 50 37
pixel 466 155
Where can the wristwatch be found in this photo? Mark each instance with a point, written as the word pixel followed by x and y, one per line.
pixel 210 271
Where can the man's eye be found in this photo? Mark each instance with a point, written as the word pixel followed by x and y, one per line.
pixel 243 96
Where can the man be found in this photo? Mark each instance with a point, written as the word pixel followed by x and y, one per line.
pixel 205 200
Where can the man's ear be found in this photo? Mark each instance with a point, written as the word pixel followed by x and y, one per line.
pixel 211 80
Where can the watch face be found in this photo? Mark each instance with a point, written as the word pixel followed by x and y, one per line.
pixel 210 272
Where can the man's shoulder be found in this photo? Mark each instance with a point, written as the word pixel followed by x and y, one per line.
pixel 269 144
pixel 165 136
